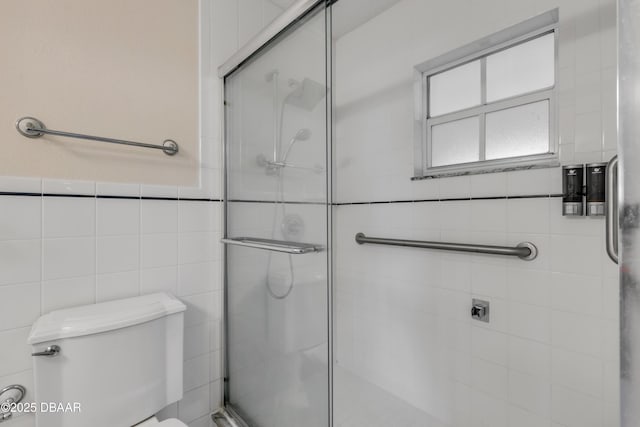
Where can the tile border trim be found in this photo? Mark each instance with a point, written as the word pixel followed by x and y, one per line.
pixel 105 196
pixel 383 202
pixel 292 202
pixel 453 199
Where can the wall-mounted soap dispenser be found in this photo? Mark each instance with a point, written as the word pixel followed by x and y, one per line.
pixel 596 184
pixel 572 182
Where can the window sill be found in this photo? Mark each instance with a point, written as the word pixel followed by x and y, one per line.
pixel 484 169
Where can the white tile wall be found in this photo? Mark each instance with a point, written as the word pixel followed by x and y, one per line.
pixel 92 250
pixel 547 330
pixel 549 356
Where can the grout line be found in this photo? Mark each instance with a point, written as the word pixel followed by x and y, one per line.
pixel 139 248
pixel 104 196
pixel 41 255
pixel 95 243
pixel 18 193
pixel 178 233
pixel 85 196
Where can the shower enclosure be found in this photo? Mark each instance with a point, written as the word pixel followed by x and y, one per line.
pixel 277 231
pixel 328 143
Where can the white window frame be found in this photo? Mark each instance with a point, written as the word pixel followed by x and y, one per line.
pixel 533 28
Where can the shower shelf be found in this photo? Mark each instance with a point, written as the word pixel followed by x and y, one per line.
pixel 273 245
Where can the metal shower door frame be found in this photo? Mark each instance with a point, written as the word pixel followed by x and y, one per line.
pixel 628 23
pixel 227 416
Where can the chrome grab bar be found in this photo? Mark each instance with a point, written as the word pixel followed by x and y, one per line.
pixel 273 245
pixel 612 220
pixel 52 350
pixel 34 128
pixel 526 250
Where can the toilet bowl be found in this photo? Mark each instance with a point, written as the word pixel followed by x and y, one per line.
pixel 120 361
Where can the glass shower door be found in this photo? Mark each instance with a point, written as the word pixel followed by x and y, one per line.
pixel 277 231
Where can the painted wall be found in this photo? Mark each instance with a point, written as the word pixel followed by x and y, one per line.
pixel 549 356
pixel 71 242
pixel 126 70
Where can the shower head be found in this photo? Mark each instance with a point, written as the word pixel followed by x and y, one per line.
pixel 307 94
pixel 302 135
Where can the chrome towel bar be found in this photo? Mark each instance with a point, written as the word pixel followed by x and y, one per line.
pixel 34 128
pixel 526 250
pixel 294 248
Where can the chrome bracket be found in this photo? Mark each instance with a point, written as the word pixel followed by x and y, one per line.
pixel 30 127
pixel 532 255
pixel 170 147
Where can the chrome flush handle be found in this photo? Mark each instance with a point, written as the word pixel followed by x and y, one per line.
pixel 52 350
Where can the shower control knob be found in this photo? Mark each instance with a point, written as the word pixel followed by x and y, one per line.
pixel 293 227
pixel 480 310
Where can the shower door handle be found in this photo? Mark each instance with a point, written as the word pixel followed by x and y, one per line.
pixel 612 209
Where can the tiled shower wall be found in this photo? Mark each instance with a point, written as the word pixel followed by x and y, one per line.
pixel 549 355
pixel 550 351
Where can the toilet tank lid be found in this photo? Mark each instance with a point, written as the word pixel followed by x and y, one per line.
pixel 102 317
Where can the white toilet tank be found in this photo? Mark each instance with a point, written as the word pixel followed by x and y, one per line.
pixel 119 362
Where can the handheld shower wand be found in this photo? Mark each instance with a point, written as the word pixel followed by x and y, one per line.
pixel 301 135
pixel 281 162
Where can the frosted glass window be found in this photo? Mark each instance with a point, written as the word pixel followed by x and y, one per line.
pixel 494 106
pixel 518 131
pixel 455 89
pixel 455 142
pixel 524 68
